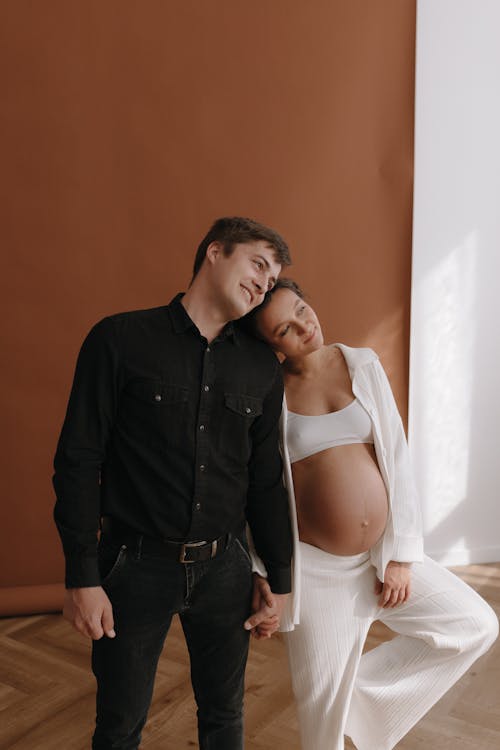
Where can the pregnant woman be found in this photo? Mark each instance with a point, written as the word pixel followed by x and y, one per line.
pixel 358 547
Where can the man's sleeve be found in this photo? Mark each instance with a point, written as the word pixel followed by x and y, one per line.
pixel 81 451
pixel 267 506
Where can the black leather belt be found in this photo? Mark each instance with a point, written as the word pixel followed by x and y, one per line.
pixel 183 552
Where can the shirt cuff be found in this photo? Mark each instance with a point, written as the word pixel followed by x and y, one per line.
pixel 408 549
pixel 280 580
pixel 82 572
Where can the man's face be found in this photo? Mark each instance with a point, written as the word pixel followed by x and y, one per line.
pixel 242 278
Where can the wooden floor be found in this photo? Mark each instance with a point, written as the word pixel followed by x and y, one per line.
pixel 47 693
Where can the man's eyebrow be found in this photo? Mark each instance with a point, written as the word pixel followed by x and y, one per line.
pixel 268 266
pixel 264 260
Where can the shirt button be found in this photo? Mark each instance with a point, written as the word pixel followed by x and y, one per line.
pixel 248 410
pixel 198 506
pixel 202 467
pixel 202 427
pixel 157 397
pixel 206 388
pixel 207 350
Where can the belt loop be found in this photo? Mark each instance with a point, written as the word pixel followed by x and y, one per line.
pixel 139 547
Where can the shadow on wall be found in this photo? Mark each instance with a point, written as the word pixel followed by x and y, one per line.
pixel 455 347
pixel 452 409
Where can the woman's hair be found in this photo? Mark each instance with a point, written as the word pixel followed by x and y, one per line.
pixel 249 322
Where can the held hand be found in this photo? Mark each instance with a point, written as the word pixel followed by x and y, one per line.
pixel 396 587
pixel 90 612
pixel 266 607
pixel 262 606
pixel 267 627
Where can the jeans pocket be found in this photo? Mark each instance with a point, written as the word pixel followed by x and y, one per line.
pixel 111 562
pixel 244 550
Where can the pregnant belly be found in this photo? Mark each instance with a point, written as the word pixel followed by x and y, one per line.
pixel 341 499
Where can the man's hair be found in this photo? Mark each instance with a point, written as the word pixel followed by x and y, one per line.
pixel 250 322
pixel 232 230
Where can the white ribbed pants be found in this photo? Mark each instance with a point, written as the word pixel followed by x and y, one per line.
pixel 377 697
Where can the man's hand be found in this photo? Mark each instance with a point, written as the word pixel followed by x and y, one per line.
pixel 396 587
pixel 266 608
pixel 90 612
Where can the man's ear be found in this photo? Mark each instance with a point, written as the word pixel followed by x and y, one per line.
pixel 214 251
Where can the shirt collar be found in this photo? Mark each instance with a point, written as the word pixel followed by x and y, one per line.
pixel 181 321
pixel 178 315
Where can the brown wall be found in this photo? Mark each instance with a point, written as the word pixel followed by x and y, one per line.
pixel 128 128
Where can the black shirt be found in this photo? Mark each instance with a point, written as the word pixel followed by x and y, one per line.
pixel 174 437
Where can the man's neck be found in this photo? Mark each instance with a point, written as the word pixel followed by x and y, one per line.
pixel 203 310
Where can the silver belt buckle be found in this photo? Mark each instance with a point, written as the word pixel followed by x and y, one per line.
pixel 188 545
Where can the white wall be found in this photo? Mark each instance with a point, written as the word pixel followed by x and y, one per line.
pixel 454 419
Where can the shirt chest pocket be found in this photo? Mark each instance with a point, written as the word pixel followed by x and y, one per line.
pixel 155 410
pixel 243 405
pixel 156 394
pixel 239 413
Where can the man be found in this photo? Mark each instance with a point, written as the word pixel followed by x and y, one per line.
pixel 170 445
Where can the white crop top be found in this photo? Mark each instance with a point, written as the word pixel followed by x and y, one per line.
pixel 311 434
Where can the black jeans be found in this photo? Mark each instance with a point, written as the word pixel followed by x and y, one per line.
pixel 213 601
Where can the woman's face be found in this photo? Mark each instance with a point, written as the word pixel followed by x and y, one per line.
pixel 290 325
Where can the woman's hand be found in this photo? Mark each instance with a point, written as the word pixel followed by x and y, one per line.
pixel 396 586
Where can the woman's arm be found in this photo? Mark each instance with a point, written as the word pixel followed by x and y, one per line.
pixel 405 506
